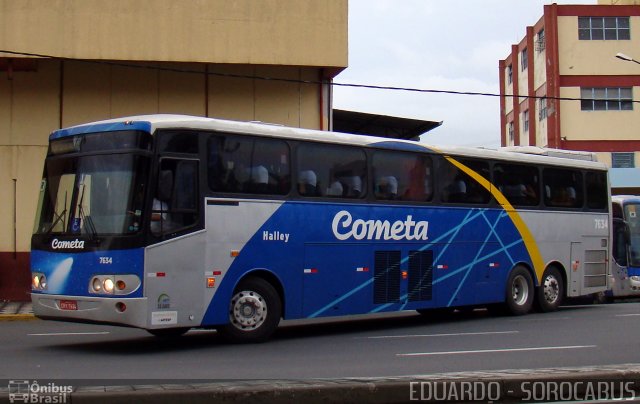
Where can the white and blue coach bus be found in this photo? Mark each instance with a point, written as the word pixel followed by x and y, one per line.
pixel 168 223
pixel 625 268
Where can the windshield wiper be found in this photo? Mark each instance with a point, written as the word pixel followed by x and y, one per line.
pixel 86 218
pixel 60 216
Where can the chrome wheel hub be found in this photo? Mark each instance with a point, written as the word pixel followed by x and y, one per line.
pixel 248 310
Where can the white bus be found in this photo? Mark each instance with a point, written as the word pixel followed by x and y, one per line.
pixel 168 223
pixel 625 268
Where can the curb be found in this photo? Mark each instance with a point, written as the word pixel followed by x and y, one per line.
pixel 608 383
pixel 17 317
pixel 16 311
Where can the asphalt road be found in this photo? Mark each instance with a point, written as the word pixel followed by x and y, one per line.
pixel 387 345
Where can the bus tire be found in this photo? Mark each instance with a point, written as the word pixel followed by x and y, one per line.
pixel 254 312
pixel 550 292
pixel 519 293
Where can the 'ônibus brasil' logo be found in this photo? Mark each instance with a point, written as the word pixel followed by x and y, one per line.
pixel 67 244
pixel 344 227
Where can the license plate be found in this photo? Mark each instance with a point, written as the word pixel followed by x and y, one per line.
pixel 68 305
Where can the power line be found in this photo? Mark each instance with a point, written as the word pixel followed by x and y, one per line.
pixel 301 81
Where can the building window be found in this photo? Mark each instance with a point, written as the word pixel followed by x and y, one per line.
pixel 509 74
pixel 623 160
pixel 540 42
pixel 525 121
pixel 607 28
pixel 511 133
pixel 542 108
pixel 524 60
pixel 606 98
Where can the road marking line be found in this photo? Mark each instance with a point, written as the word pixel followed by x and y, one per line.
pixel 461 334
pixel 542 348
pixel 539 319
pixel 68 333
pixel 627 315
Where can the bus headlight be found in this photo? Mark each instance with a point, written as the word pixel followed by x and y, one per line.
pixel 96 284
pixel 635 278
pixel 114 284
pixel 108 285
pixel 38 281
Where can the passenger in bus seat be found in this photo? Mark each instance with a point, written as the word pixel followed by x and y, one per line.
pixel 352 186
pixel 457 190
pixel 307 183
pixel 387 187
pixel 335 189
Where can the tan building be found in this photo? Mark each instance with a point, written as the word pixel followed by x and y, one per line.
pixel 125 57
pixel 581 96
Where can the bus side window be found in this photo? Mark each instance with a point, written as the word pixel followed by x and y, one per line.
pixel 597 190
pixel 459 187
pixel 401 176
pixel 240 164
pixel 518 183
pixel 331 171
pixel 562 188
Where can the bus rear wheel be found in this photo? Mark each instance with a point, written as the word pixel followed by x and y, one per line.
pixel 254 312
pixel 519 293
pixel 551 291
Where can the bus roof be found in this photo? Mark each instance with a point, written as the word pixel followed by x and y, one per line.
pixel 622 199
pixel 150 123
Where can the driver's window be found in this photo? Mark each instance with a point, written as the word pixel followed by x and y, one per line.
pixel 175 203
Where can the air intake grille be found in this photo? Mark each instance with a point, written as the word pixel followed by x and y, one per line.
pixel 386 282
pixel 420 275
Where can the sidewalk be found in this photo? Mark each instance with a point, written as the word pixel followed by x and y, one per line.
pixel 16 311
pixel 604 384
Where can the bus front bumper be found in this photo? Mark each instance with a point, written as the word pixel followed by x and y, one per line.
pixel 91 309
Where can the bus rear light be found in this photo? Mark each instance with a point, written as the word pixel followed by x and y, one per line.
pixel 121 285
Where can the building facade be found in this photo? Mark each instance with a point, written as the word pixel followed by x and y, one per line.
pixel 213 58
pixel 562 86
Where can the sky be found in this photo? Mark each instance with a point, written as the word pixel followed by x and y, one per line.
pixel 435 44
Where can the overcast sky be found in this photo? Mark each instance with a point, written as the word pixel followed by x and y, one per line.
pixel 435 44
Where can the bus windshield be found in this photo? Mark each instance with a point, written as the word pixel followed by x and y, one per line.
pixel 92 195
pixel 631 212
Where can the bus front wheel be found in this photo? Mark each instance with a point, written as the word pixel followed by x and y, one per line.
pixel 519 293
pixel 551 291
pixel 254 312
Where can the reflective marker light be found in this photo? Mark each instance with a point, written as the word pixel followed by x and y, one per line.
pixel 121 307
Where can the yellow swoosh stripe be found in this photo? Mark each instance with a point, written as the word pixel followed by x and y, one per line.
pixel 523 229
